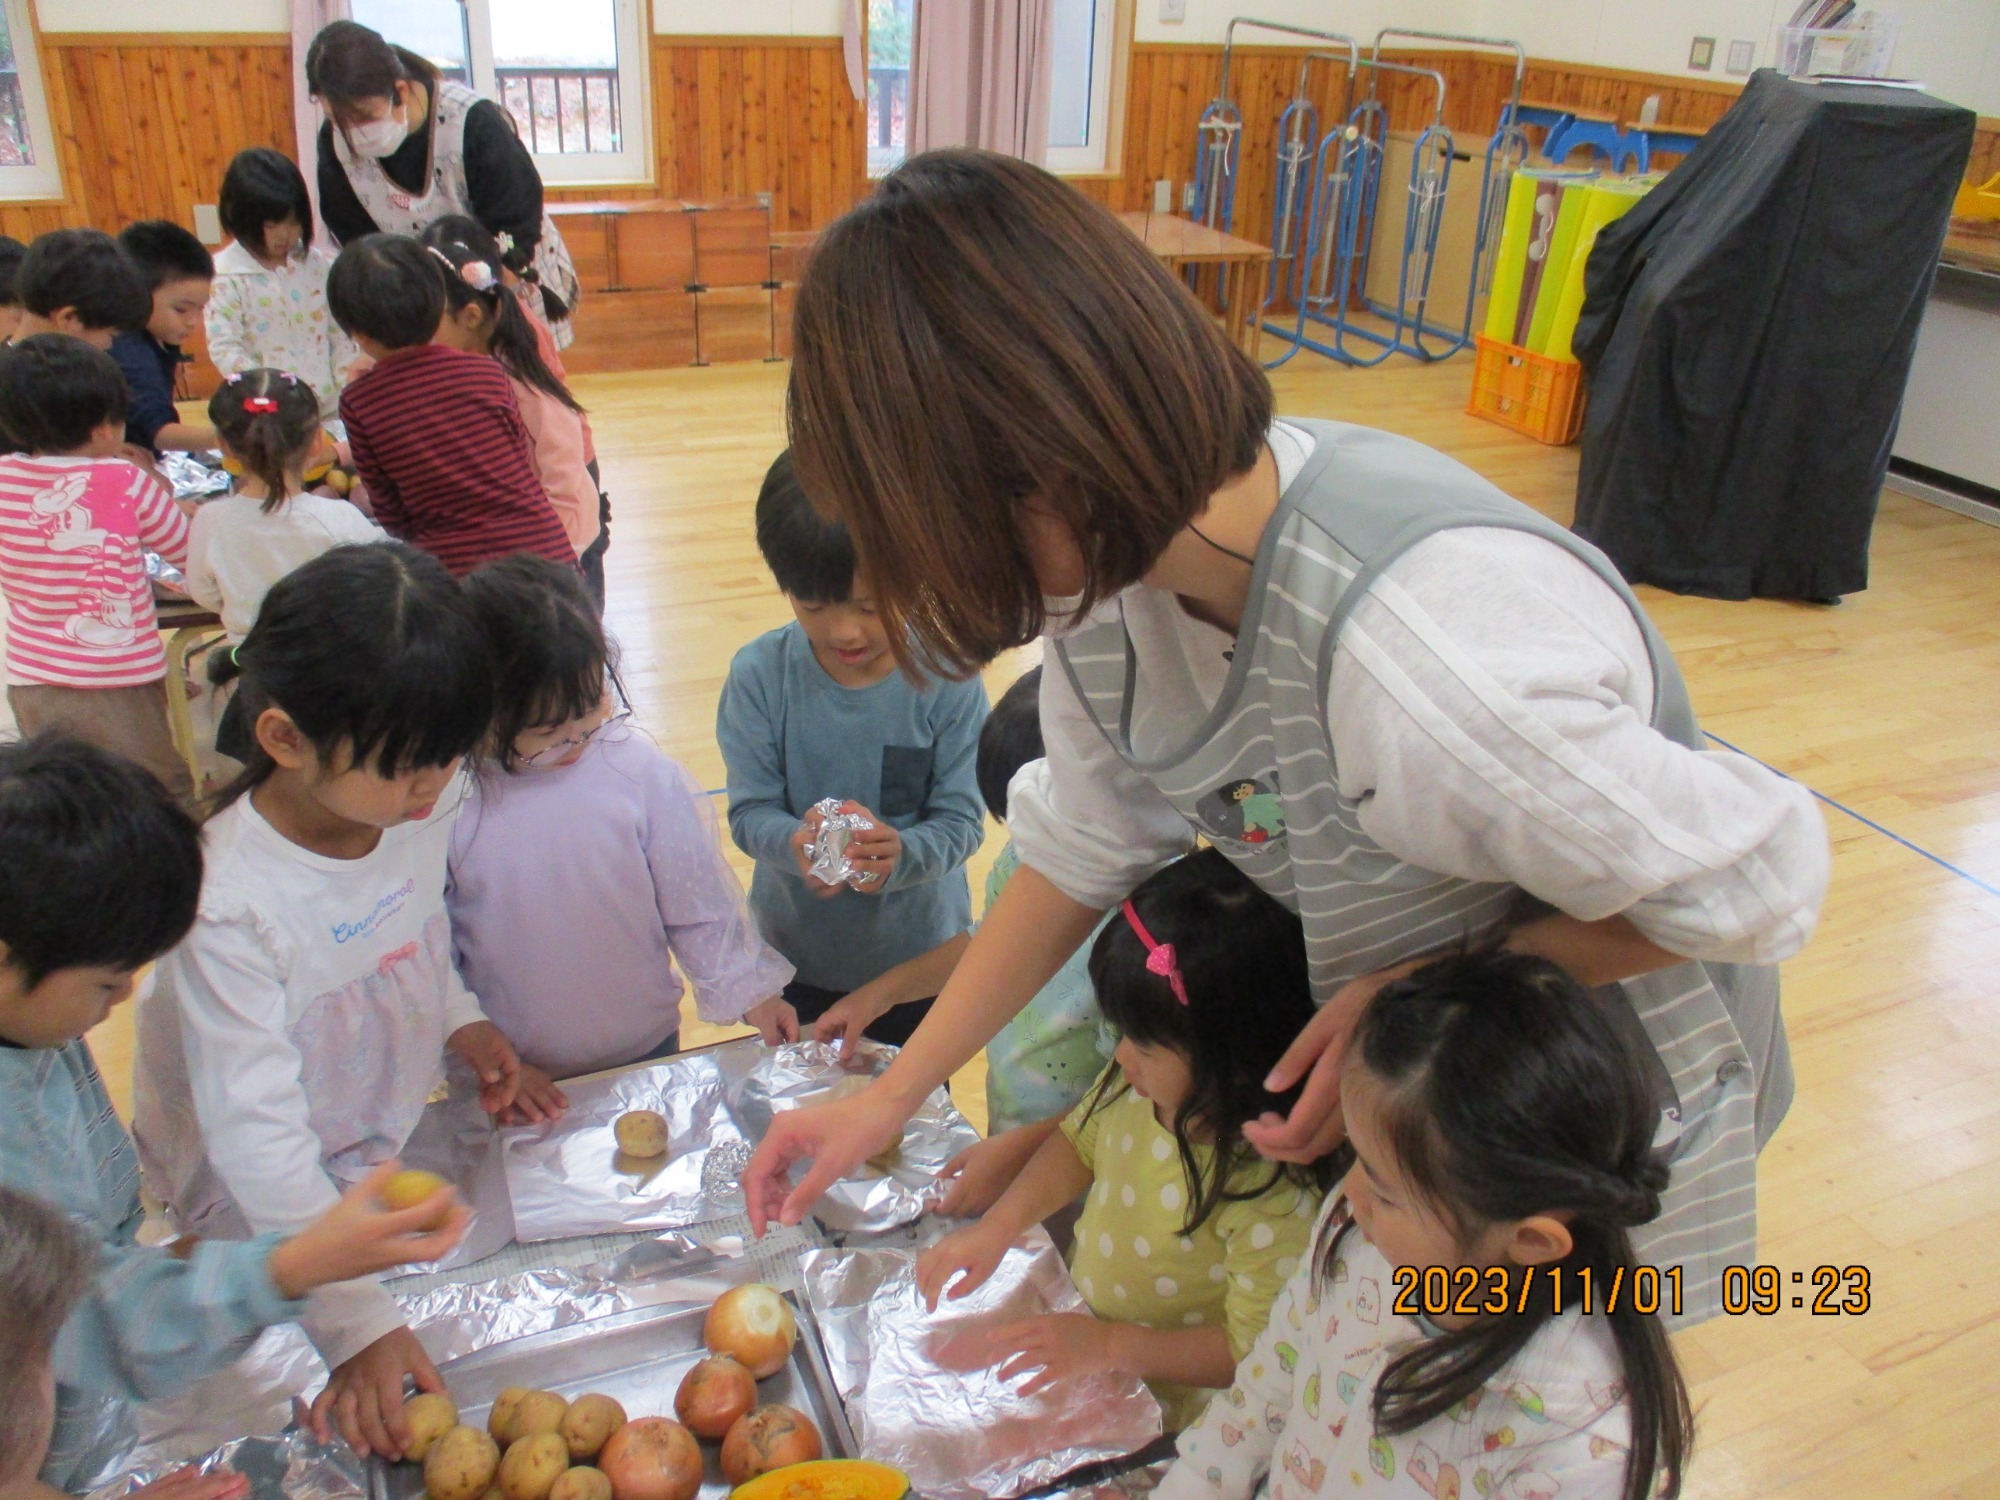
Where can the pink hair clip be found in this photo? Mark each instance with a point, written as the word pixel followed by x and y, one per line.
pixel 478 275
pixel 1160 958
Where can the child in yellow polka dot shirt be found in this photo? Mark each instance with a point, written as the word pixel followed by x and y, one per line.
pixel 1186 1235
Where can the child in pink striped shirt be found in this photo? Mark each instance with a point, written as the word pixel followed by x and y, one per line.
pixel 83 642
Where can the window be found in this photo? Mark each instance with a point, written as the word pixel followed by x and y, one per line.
pixel 573 75
pixel 28 166
pixel 889 23
pixel 1086 43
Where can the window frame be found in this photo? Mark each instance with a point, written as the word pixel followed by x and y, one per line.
pixel 43 181
pixel 1099 155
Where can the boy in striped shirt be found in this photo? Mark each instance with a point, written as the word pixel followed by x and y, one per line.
pixel 83 642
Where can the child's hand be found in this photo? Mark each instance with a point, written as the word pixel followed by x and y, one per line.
pixel 1051 1347
pixel 971 1254
pixel 191 1484
pixel 486 1050
pixel 802 842
pixel 984 1170
pixel 358 1236
pixel 848 1017
pixel 775 1020
pixel 536 1101
pixel 365 1395
pixel 873 852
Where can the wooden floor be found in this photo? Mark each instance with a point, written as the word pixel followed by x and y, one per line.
pixel 1887 706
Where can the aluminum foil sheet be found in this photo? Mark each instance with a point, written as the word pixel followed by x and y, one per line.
pixel 569 1178
pixel 289 1467
pixel 828 851
pixel 889 1190
pixel 191 478
pixel 165 574
pixel 921 1396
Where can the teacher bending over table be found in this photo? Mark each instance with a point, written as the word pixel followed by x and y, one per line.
pixel 403 147
pixel 1405 705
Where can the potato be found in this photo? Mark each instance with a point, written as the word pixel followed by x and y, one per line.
pixel 461 1464
pixel 652 1458
pixel 767 1438
pixel 588 1425
pixel 533 1464
pixel 500 1420
pixel 409 1188
pixel 539 1411
pixel 430 1416
pixel 641 1133
pixel 581 1483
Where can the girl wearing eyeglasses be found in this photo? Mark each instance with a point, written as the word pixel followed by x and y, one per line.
pixel 586 863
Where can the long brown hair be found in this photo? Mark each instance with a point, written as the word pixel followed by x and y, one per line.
pixel 976 333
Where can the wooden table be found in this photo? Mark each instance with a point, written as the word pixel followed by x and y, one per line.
pixel 1182 242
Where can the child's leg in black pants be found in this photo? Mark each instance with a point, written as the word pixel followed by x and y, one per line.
pixel 894 1029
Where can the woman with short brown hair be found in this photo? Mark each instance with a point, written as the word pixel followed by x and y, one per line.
pixel 1406 705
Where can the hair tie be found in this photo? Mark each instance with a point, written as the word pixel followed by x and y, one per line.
pixel 1160 958
pixel 233 379
pixel 474 273
pixel 263 406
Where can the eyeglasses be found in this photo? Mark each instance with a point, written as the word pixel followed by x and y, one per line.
pixel 550 754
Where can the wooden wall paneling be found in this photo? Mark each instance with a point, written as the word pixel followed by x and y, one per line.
pixel 632 331
pixel 655 252
pixel 732 245
pixel 732 324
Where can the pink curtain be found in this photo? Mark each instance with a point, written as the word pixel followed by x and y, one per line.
pixel 980 76
pixel 308 18
pixel 851 42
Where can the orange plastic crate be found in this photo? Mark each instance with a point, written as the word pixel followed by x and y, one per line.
pixel 1530 393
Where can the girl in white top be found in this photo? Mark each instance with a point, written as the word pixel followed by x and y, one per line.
pixel 269 424
pixel 269 303
pixel 292 1040
pixel 1471 1320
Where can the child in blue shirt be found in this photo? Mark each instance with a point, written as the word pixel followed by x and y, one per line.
pixel 99 874
pixel 819 709
pixel 179 274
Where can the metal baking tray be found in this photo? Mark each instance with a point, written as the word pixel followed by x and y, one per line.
pixel 638 1358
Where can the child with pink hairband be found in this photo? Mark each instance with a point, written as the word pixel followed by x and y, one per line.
pixel 1186 1234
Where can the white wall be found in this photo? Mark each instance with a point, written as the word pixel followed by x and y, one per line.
pixel 164 15
pixel 1360 19
pixel 747 17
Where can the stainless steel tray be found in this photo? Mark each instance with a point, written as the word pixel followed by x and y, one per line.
pixel 636 1357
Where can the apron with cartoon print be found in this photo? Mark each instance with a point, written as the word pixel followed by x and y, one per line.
pixel 396 211
pixel 1258 778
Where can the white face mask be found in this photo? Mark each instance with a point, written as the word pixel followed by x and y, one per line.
pixel 379 138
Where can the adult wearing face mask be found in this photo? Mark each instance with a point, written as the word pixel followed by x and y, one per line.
pixel 403 147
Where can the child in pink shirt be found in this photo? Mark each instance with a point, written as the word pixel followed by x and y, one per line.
pixel 483 317
pixel 83 642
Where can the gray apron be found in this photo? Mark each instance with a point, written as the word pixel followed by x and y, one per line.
pixel 1258 778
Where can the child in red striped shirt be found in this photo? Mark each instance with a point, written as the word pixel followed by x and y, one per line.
pixel 435 431
pixel 83 641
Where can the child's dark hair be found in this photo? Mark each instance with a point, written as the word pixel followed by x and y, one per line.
pixel 262 187
pixel 55 391
pixel 1242 961
pixel 811 557
pixel 551 659
pixel 389 288
pixel 471 259
pixel 1010 739
pixel 372 647
pixel 99 866
pixel 164 251
pixel 11 253
pixel 45 1264
pixel 270 420
pixel 1508 1092
pixel 85 270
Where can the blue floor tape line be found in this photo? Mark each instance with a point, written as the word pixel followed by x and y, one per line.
pixel 1866 821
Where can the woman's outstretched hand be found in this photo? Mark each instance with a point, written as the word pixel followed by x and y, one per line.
pixel 1315 1127
pixel 835 1137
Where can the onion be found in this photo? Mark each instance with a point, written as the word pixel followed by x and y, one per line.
pixel 713 1395
pixel 754 1325
pixel 770 1437
pixel 652 1458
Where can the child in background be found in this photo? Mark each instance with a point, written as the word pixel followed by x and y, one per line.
pixel 269 306
pixel 586 862
pixel 268 423
pixel 434 431
pixel 99 874
pixel 78 282
pixel 1501 1127
pixel 293 1038
pixel 818 709
pixel 83 642
pixel 482 316
pixel 1187 1234
pixel 11 253
pixel 178 272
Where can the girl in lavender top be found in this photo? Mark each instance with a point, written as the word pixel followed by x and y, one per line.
pixel 585 867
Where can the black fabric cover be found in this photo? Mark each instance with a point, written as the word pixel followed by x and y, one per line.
pixel 1747 330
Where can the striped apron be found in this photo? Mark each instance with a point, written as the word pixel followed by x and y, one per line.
pixel 1258 778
